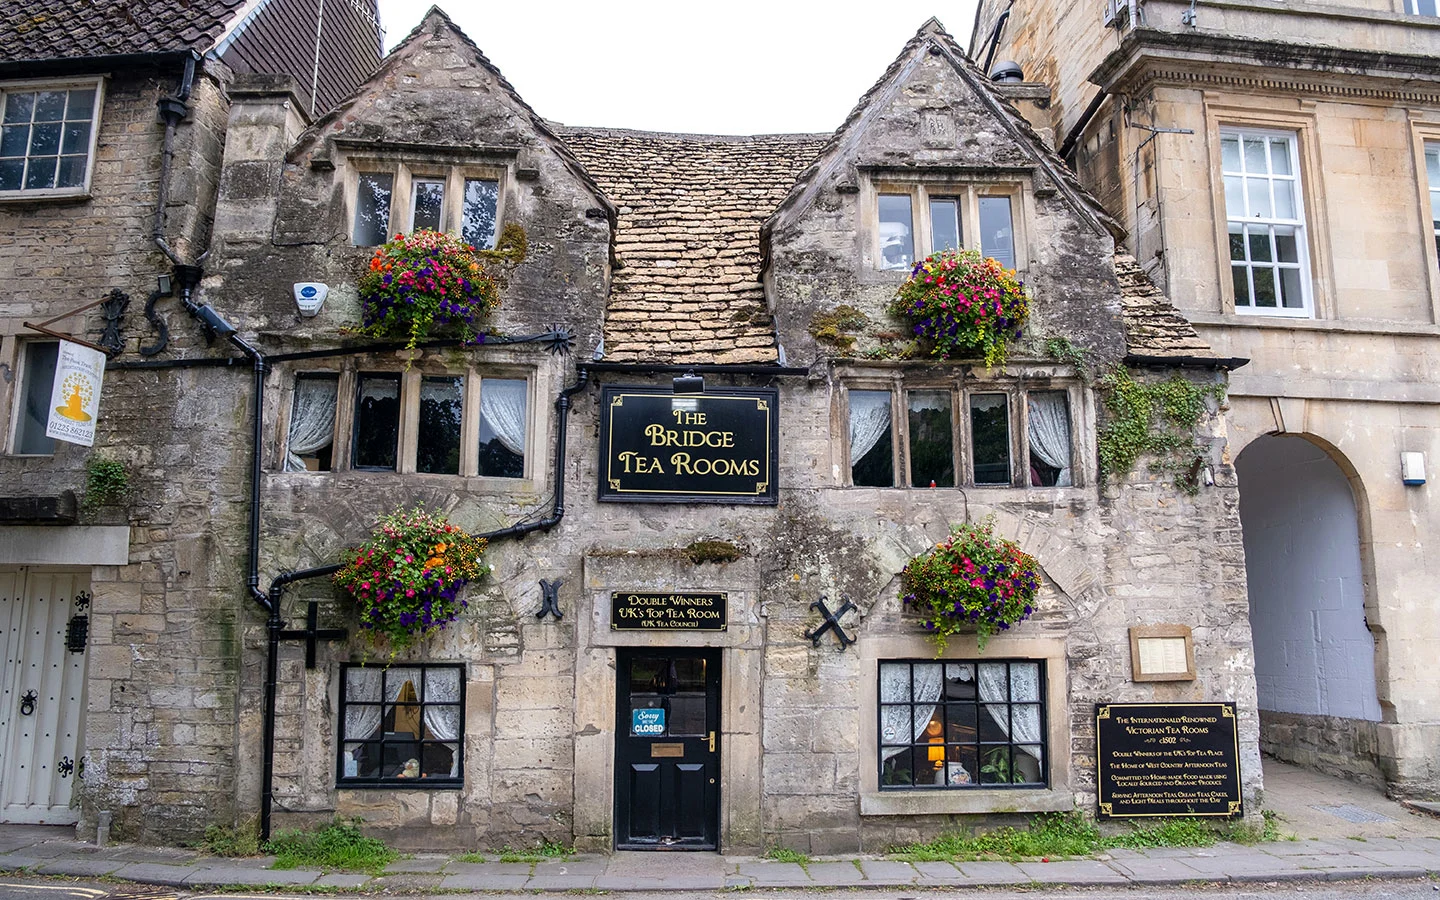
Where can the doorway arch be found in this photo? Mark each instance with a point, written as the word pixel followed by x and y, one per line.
pixel 1315 652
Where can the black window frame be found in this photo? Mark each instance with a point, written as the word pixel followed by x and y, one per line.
pixel 962 448
pixel 430 783
pixel 982 747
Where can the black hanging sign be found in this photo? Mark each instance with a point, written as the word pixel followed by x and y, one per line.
pixel 1167 759
pixel 674 611
pixel 661 447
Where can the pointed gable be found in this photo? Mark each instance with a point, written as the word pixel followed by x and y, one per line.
pixel 954 119
pixel 437 90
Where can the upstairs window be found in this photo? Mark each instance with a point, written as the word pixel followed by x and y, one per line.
pixel 1432 175
pixel 1422 7
pixel 930 445
pixel 47 137
pixel 406 199
pixel 914 221
pixel 438 424
pixel 1265 218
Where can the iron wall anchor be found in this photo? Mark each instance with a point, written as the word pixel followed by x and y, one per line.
pixel 550 599
pixel 832 621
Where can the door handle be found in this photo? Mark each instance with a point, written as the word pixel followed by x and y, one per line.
pixel 712 742
pixel 27 707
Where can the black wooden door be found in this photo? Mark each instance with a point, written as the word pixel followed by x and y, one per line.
pixel 667 751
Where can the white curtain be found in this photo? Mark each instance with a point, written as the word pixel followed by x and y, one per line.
pixel 362 686
pixel 1050 432
pixel 312 420
pixel 502 409
pixel 869 421
pixel 905 724
pixel 1024 689
pixel 443 722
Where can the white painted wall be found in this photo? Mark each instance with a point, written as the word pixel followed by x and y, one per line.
pixel 1313 653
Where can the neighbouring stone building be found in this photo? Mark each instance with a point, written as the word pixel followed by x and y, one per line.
pixel 112 123
pixel 1277 167
pixel 761 266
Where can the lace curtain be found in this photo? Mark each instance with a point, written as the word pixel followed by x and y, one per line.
pixel 502 410
pixel 443 722
pixel 1050 432
pixel 869 421
pixel 905 724
pixel 1024 689
pixel 312 420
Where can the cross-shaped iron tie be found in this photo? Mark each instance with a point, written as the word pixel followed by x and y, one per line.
pixel 832 621
pixel 310 634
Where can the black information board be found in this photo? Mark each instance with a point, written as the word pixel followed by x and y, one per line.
pixel 1167 759
pixel 675 611
pixel 661 447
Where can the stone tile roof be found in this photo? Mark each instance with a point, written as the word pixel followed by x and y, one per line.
pixel 69 29
pixel 688 239
pixel 1154 328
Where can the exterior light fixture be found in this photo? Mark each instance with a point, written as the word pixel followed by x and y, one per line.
pixel 310 296
pixel 1412 467
pixel 689 383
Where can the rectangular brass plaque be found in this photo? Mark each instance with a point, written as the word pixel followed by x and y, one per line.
pixel 666 750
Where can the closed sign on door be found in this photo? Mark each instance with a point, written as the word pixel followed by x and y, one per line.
pixel 647 721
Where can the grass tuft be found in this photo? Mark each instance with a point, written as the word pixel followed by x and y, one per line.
pixel 339 845
pixel 539 853
pixel 1066 835
pixel 222 840
pixel 785 854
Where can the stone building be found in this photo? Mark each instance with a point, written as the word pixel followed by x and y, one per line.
pixel 1277 170
pixel 99 195
pixel 744 278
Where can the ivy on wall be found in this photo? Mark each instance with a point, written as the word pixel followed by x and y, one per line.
pixel 1155 419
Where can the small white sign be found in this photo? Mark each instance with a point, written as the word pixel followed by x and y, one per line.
pixel 75 398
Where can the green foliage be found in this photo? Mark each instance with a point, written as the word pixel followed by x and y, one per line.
pixel 960 304
pixel 1060 349
pixel 713 551
pixel 785 854
pixel 511 247
pixel 830 327
pixel 339 845
pixel 1244 833
pixel 972 580
pixel 997 764
pixel 242 840
pixel 1060 835
pixel 425 283
pixel 542 851
pixel 1154 419
pixel 107 482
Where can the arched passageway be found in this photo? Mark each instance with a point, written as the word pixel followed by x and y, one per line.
pixel 1314 653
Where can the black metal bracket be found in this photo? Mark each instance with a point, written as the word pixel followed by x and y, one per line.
pixel 27 703
pixel 114 310
pixel 832 621
pixel 162 330
pixel 550 599
pixel 311 634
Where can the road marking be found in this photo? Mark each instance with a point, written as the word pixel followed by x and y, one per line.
pixel 84 892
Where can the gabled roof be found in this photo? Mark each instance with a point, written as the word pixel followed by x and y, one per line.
pixel 32 30
pixel 932 38
pixel 687 284
pixel 434 20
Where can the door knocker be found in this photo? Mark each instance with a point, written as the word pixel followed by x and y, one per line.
pixel 27 703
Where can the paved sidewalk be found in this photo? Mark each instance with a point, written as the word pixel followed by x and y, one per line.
pixel 1341 831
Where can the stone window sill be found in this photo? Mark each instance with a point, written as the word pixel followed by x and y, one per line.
pixel 962 802
pixel 50 196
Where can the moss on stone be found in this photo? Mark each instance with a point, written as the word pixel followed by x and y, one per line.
pixel 713 551
pixel 831 326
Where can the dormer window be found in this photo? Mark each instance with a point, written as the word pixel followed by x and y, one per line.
pixel 913 221
pixel 458 199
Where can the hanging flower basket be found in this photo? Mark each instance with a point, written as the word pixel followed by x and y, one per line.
pixel 407 578
pixel 426 284
pixel 961 305
pixel 973 581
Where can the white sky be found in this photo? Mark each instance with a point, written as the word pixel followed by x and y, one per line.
pixel 736 67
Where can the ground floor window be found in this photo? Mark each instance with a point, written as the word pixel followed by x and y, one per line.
pixel 400 724
pixel 962 724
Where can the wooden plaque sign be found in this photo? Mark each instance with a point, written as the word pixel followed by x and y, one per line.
pixel 1167 759
pixel 674 611
pixel 663 447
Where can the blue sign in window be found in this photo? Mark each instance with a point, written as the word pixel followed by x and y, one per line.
pixel 647 721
